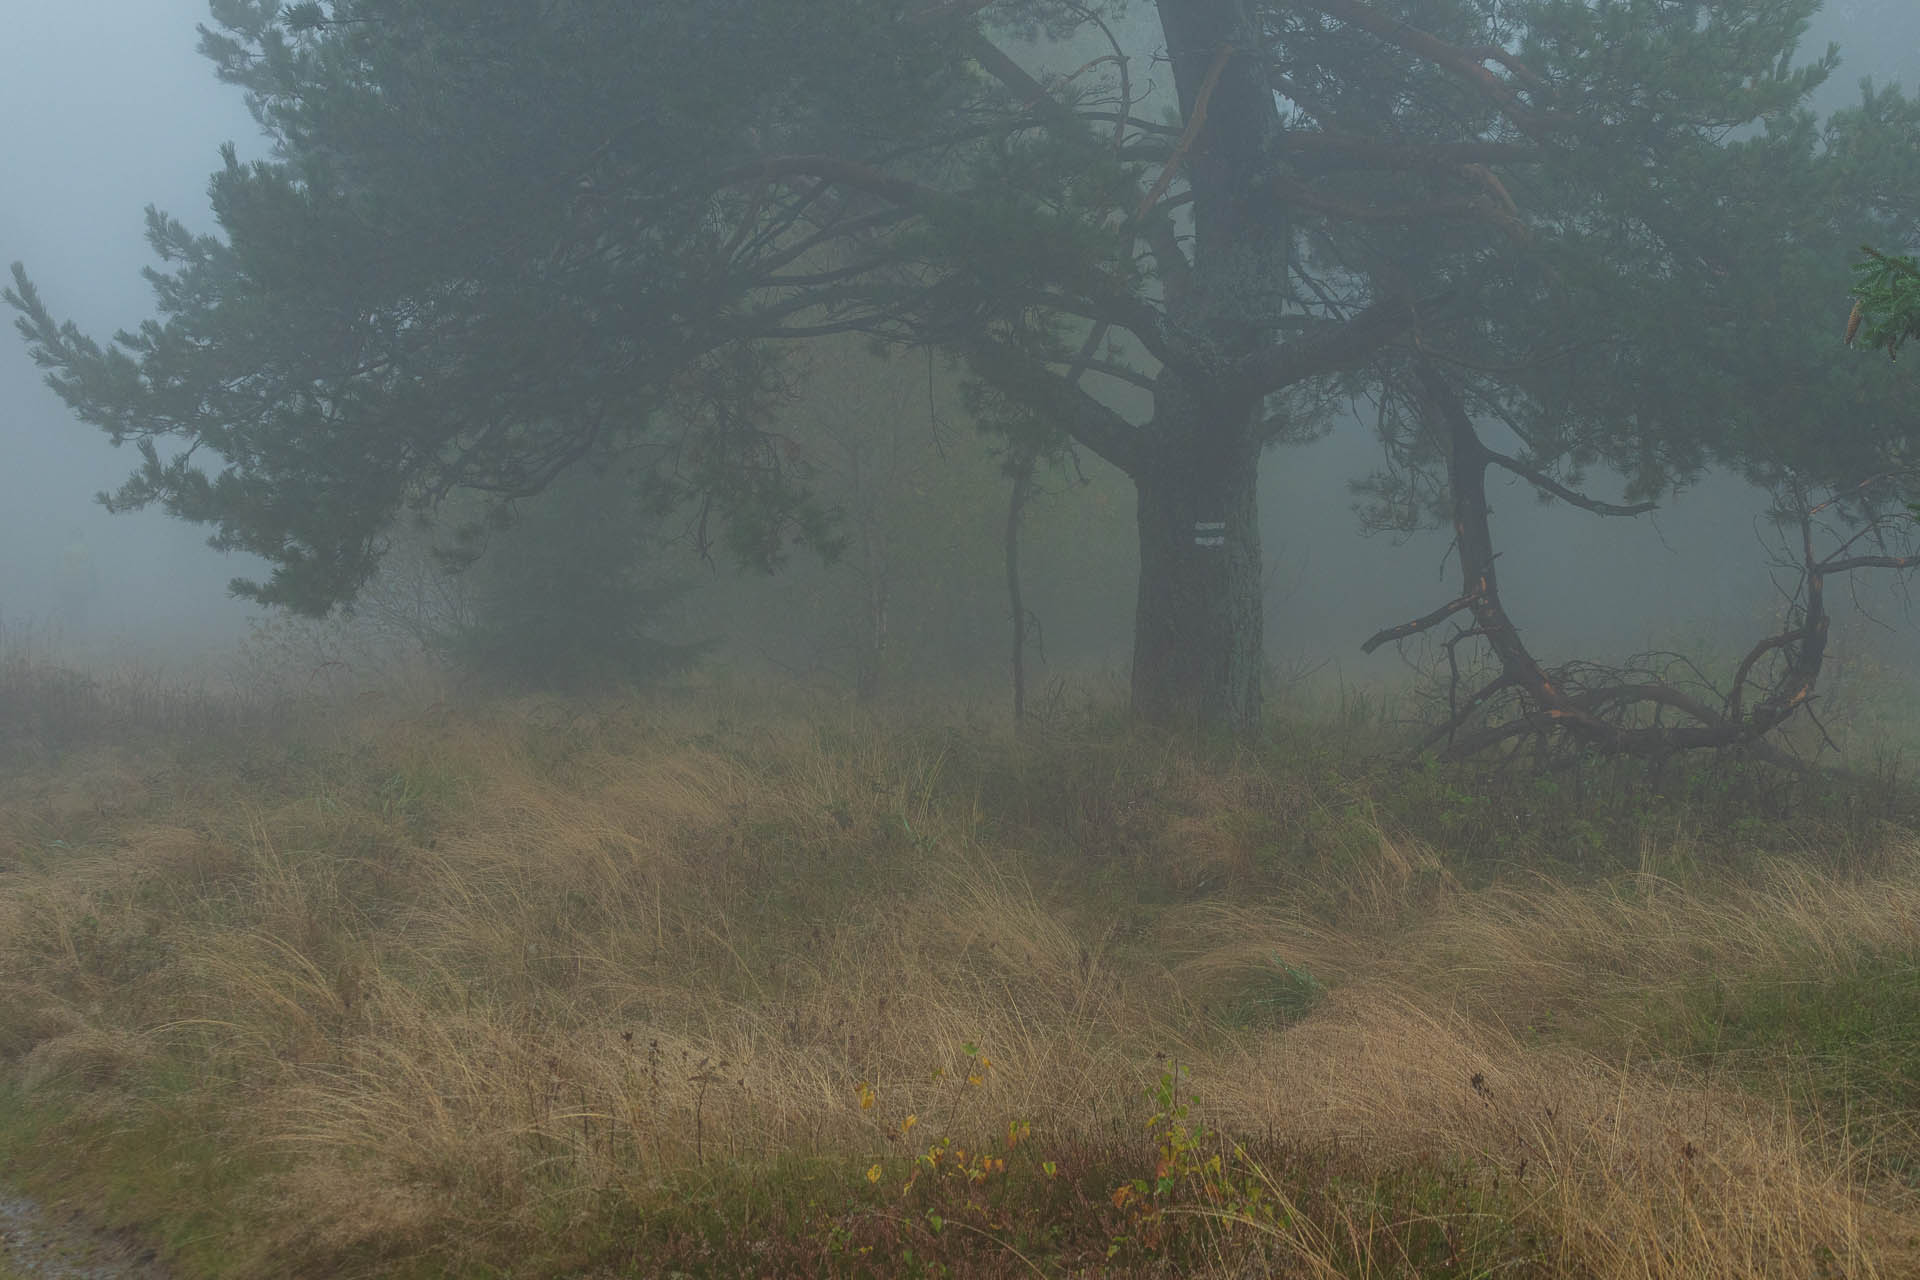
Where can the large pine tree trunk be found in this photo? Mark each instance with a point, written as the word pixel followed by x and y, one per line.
pixel 1198 624
pixel 1197 627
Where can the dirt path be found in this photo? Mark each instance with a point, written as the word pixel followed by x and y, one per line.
pixel 39 1243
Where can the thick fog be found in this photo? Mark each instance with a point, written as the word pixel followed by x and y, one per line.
pixel 110 108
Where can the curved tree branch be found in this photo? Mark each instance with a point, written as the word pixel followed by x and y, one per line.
pixel 1335 348
pixel 1195 123
pixel 1425 622
pixel 1591 708
pixel 1541 480
pixel 1059 400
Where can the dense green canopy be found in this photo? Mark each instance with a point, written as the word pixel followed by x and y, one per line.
pixel 1886 312
pixel 495 241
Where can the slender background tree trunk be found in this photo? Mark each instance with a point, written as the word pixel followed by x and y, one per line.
pixel 1016 601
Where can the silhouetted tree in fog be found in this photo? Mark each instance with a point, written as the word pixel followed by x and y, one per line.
pixel 494 237
pixel 1701 332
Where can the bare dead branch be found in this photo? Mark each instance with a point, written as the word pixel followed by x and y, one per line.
pixel 1425 622
pixel 1119 59
pixel 1868 562
pixel 1464 713
pixel 1614 711
pixel 1541 480
pixel 1736 695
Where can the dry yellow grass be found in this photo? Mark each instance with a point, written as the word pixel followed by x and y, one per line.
pixel 464 977
pixel 1636 1172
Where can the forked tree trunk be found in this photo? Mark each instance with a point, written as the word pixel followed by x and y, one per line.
pixel 1197 645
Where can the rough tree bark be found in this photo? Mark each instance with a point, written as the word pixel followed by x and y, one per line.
pixel 1197 647
pixel 1198 619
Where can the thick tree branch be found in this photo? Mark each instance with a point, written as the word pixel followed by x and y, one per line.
pixel 1869 562
pixel 1737 693
pixel 1334 349
pixel 1541 480
pixel 1424 622
pixel 1195 123
pixel 1117 311
pixel 1131 122
pixel 1029 382
pixel 1118 372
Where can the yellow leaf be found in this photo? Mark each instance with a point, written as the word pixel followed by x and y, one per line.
pixel 974 1080
pixel 906 1126
pixel 866 1096
pixel 873 1174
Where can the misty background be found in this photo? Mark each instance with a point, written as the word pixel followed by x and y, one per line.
pixel 110 108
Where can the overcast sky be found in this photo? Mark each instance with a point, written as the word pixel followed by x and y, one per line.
pixel 109 107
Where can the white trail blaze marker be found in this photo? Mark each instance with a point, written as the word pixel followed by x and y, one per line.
pixel 1210 533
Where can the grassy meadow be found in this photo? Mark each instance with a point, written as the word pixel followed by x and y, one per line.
pixel 723 983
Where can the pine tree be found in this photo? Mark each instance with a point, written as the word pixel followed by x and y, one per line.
pixel 494 237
